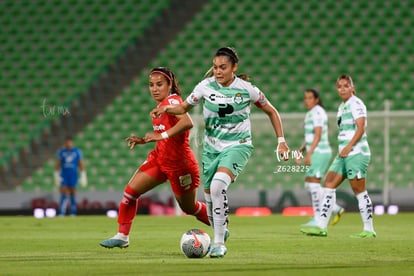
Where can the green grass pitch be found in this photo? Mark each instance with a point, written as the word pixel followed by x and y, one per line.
pixel 257 246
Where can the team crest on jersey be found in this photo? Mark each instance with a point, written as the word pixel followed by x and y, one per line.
pixel 238 99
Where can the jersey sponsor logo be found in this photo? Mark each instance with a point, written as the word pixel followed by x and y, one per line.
pixel 173 101
pixel 69 157
pixel 225 109
pixel 213 97
pixel 159 127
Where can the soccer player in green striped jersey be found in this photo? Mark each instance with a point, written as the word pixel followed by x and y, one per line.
pixel 226 98
pixel 318 153
pixel 352 161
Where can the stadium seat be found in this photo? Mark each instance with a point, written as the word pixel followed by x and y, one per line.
pixel 285 46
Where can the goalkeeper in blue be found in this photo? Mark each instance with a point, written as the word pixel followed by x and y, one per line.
pixel 68 165
pixel 351 162
pixel 226 99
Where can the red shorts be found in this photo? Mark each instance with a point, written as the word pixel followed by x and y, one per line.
pixel 184 178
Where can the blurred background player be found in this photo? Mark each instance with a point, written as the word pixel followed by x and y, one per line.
pixel 227 140
pixel 318 153
pixel 68 164
pixel 352 161
pixel 172 159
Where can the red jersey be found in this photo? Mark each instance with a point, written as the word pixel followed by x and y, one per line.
pixel 174 151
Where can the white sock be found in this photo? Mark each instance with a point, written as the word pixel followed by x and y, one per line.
pixel 209 206
pixel 218 189
pixel 327 203
pixel 365 209
pixel 315 191
pixel 121 236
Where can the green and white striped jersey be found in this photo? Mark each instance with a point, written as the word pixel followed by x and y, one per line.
pixel 226 111
pixel 348 112
pixel 316 117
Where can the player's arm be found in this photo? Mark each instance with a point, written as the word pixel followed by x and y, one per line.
pixel 83 180
pixel 81 165
pixel 317 134
pixel 360 124
pixel 176 109
pixel 301 149
pixel 276 122
pixel 184 123
pixel 57 165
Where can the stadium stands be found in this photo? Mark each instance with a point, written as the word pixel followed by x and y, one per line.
pixel 52 51
pixel 286 46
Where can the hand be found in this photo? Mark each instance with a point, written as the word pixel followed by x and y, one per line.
pixel 308 158
pixel 345 151
pixel 83 181
pixel 134 140
pixel 57 178
pixel 152 137
pixel 298 160
pixel 283 151
pixel 156 112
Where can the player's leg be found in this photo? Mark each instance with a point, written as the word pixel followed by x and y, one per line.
pixel 313 186
pixel 144 179
pixel 220 207
pixel 72 200
pixel 321 160
pixel 231 163
pixel 210 165
pixel 314 172
pixel 191 206
pixel 358 166
pixel 64 192
pixel 184 185
pixel 333 179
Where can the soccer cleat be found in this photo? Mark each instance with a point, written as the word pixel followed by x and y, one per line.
pixel 217 251
pixel 314 231
pixel 365 234
pixel 336 215
pixel 115 241
pixel 311 223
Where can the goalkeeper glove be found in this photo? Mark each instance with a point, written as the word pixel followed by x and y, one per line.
pixel 83 181
pixel 58 178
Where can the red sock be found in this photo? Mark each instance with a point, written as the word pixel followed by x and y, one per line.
pixel 127 210
pixel 200 212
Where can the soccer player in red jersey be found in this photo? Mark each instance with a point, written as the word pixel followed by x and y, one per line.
pixel 172 159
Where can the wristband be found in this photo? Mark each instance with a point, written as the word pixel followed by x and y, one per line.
pixel 280 140
pixel 164 135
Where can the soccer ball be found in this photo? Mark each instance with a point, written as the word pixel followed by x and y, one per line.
pixel 195 243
